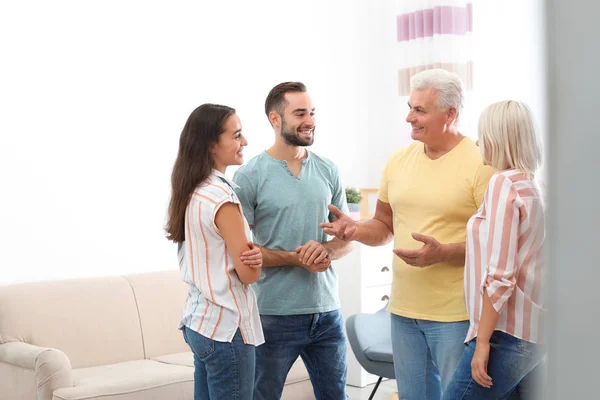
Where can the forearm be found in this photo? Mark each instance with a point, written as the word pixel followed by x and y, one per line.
pixel 278 258
pixel 338 248
pixel 488 321
pixel 373 232
pixel 454 253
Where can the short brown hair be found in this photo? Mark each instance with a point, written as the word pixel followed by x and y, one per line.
pixel 276 97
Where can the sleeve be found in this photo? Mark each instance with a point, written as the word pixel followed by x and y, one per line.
pixel 338 198
pixel 502 211
pixel 480 183
pixel 383 185
pixel 246 192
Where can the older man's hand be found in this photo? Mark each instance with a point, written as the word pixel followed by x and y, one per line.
pixel 432 252
pixel 343 227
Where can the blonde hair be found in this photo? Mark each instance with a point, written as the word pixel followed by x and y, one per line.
pixel 509 138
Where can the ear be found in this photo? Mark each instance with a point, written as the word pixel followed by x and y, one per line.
pixel 212 148
pixel 452 114
pixel 274 119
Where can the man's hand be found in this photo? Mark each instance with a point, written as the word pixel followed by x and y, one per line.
pixel 312 252
pixel 253 257
pixel 430 253
pixel 320 267
pixel 343 227
pixel 479 364
pixel 313 257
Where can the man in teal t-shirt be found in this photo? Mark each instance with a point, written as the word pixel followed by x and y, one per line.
pixel 285 192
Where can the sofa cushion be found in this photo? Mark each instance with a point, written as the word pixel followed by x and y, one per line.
pixel 185 359
pixel 93 321
pixel 132 380
pixel 298 372
pixel 160 298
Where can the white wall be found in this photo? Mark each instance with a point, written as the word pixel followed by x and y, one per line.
pixel 510 57
pixel 94 96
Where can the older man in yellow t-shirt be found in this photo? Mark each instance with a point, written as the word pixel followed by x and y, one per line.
pixel 428 192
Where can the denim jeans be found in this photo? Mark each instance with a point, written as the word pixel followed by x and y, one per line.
pixel 426 354
pixel 222 370
pixel 511 360
pixel 321 342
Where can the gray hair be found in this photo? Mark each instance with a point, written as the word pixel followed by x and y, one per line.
pixel 447 84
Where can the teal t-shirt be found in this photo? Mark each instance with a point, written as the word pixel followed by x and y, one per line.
pixel 285 212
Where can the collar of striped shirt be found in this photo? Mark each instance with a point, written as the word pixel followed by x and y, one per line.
pixel 224 178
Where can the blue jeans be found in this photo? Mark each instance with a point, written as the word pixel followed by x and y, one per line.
pixel 511 360
pixel 426 354
pixel 321 342
pixel 222 370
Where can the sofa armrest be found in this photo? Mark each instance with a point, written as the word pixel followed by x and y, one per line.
pixel 52 367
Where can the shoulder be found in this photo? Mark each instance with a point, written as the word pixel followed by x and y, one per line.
pixel 327 168
pixel 212 191
pixel 413 148
pixel 252 165
pixel 251 171
pixel 323 162
pixel 401 155
pixel 503 183
pixel 470 155
pixel 470 152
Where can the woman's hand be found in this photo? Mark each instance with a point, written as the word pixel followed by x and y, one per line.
pixel 253 257
pixel 479 364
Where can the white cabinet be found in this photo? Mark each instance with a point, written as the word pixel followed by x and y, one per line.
pixel 364 278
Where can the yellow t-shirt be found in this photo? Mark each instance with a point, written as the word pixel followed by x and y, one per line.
pixel 435 198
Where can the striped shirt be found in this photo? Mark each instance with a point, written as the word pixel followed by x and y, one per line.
pixel 505 256
pixel 218 303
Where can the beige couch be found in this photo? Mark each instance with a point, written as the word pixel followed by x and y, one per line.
pixel 105 338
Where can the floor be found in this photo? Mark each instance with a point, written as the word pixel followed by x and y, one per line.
pixel 384 392
pixel 303 391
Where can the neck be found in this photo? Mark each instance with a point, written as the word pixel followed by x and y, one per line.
pixel 283 151
pixel 447 142
pixel 220 168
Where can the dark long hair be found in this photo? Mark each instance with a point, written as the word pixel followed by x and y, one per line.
pixel 194 162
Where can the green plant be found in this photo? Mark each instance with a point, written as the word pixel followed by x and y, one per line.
pixel 353 196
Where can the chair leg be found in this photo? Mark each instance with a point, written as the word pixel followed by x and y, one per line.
pixel 375 388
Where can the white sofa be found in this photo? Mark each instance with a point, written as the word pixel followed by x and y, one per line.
pixel 103 338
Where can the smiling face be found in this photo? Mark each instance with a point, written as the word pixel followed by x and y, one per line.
pixel 427 121
pixel 229 150
pixel 298 120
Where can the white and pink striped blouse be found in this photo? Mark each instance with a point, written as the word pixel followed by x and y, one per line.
pixel 218 303
pixel 505 255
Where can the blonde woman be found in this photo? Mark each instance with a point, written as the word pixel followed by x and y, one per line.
pixel 505 264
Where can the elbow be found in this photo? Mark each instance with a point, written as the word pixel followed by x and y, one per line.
pixel 249 276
